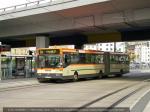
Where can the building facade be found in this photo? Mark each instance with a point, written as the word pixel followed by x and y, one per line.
pixel 109 47
pixel 142 52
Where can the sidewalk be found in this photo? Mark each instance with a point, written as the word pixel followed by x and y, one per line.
pixel 17 82
pixel 140 70
pixel 147 108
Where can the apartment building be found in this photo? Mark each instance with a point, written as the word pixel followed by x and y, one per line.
pixel 109 47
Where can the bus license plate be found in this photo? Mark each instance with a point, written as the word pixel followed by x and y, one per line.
pixel 48 77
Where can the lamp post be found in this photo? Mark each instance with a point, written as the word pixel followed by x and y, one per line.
pixel 30 53
pixel 115 47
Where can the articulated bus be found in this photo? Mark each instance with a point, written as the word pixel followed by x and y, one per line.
pixel 64 63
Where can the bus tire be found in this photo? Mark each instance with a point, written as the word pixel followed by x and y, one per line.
pixel 100 75
pixel 120 74
pixel 105 76
pixel 75 76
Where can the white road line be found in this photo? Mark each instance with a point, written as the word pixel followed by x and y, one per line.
pixel 141 103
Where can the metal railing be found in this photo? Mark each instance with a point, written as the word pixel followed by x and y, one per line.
pixel 30 5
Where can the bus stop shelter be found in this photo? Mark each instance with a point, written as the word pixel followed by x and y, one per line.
pixel 17 66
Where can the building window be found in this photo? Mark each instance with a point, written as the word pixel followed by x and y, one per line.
pixel 119 49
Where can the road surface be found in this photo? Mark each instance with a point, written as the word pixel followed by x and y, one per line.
pixel 131 90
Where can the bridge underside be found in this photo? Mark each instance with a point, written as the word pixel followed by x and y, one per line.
pixel 111 20
pixel 78 38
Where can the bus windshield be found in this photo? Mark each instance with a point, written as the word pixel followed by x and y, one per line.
pixel 49 61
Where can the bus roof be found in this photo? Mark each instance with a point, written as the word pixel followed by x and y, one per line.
pixel 119 53
pixel 62 49
pixel 91 51
pixel 73 50
pixel 83 51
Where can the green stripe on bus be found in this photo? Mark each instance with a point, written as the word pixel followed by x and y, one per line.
pixel 84 69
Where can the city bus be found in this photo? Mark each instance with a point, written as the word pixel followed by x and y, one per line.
pixel 118 63
pixel 64 63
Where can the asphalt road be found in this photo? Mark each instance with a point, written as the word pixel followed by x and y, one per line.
pixel 131 90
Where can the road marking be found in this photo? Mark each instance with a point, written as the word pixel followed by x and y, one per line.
pixel 103 97
pixel 141 104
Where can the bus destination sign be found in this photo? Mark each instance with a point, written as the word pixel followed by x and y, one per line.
pixel 49 51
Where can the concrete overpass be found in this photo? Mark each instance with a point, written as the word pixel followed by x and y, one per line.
pixel 98 20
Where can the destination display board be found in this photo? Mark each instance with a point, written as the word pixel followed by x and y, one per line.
pixel 49 51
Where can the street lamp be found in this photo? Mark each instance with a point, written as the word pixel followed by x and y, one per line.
pixel 115 47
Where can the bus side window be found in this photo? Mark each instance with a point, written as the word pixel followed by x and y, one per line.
pixel 87 58
pixel 74 58
pixel 67 59
pixel 124 59
pixel 116 59
pixel 112 59
pixel 41 61
pixel 93 56
pixel 102 58
pixel 46 62
pixel 99 59
pixel 82 58
pixel 121 59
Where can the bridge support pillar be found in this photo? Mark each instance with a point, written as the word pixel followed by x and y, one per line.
pixel 42 42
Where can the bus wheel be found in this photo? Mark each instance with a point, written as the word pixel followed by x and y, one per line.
pixel 75 76
pixel 100 75
pixel 120 74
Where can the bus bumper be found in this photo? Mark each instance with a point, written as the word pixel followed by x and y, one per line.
pixel 50 76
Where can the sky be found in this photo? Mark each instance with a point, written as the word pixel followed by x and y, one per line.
pixel 7 3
